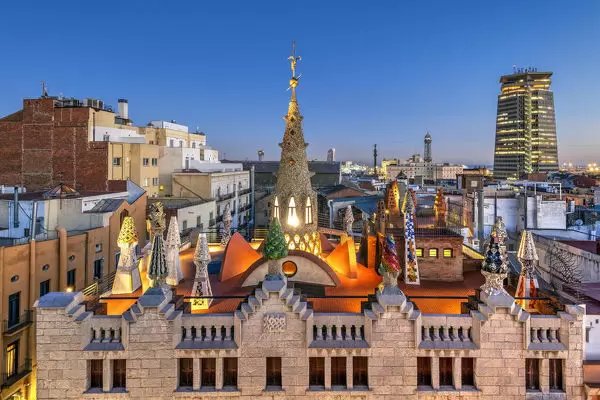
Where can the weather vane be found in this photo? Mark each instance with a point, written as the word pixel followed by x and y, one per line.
pixel 293 59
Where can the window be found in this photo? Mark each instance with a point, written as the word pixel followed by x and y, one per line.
pixel 432 252
pixel 447 253
pixel 154 162
pixel 116 161
pixel 171 142
pixel 556 375
pixel 292 217
pixel 316 371
pixel 98 266
pixel 532 374
pixel 338 371
pixel 360 371
pixel 211 215
pixel 230 371
pixel 419 252
pixel 184 225
pixel 208 372
pixel 14 307
pixel 119 373
pixel 12 359
pixel 424 371
pixel 95 372
pixel 446 371
pixel 466 366
pixel 193 145
pixel 308 217
pixel 44 287
pixel 274 372
pixel 145 162
pixel 146 182
pixel 186 372
pixel 98 247
pixel 155 181
pixel 199 220
pixel 71 277
pixel 276 208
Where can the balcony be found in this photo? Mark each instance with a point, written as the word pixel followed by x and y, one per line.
pixel 204 331
pixel 12 326
pixel 339 330
pixel 19 373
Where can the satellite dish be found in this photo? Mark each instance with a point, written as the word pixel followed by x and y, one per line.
pixel 579 222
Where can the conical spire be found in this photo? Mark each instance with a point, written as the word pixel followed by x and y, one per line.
pixel 201 287
pixel 128 233
pixel 296 201
pixel 173 244
pixel 528 285
pixel 527 250
pixel 127 278
pixel 157 270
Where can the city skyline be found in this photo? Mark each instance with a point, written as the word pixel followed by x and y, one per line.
pixel 222 72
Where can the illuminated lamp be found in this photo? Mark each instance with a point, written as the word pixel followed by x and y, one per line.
pixel 289 268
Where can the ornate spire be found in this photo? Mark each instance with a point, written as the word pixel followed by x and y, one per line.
pixel 157 270
pixel 296 201
pixel 528 283
pixel 226 229
pixel 201 287
pixel 411 265
pixel 127 277
pixel 173 244
pixel 348 219
pixel 128 234
pixel 440 208
pixel 390 266
pixel 495 264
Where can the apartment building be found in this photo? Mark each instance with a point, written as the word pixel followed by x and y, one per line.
pixel 57 241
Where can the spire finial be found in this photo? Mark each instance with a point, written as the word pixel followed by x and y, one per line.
pixel 293 59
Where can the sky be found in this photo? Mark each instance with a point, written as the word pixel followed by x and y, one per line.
pixel 380 72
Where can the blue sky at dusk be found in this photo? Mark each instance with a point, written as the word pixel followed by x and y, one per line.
pixel 372 72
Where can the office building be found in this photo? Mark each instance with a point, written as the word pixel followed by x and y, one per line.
pixel 525 125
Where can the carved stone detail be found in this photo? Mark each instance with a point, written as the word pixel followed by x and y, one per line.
pixel 274 323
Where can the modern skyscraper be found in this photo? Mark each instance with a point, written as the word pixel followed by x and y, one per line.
pixel 427 150
pixel 525 125
pixel 331 155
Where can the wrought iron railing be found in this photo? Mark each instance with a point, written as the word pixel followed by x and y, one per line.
pixel 18 322
pixel 10 377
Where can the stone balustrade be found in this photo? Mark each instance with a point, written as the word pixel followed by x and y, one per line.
pixel 106 333
pixel 339 330
pixel 446 331
pixel 545 333
pixel 207 331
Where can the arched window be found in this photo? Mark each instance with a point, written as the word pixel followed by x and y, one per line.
pixel 308 216
pixel 276 208
pixel 292 217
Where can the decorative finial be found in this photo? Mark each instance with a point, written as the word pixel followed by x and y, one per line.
pixel 293 59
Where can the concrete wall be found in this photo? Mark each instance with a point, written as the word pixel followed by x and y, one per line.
pixel 281 325
pixel 588 264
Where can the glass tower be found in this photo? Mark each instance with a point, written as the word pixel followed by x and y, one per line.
pixel 525 126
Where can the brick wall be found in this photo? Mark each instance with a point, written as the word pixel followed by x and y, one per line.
pixel 49 145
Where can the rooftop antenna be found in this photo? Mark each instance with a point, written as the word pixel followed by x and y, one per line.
pixel 44 89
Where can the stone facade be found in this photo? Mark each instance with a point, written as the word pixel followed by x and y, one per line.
pixel 446 264
pixel 274 322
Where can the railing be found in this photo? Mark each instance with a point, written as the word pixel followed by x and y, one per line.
pixel 446 331
pixel 224 197
pixel 339 327
pixel 106 330
pixel 244 191
pixel 13 325
pixel 8 378
pixel 545 330
pixel 207 328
